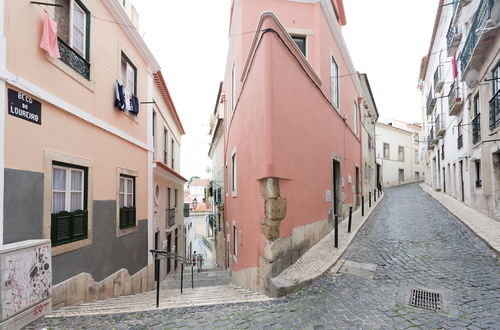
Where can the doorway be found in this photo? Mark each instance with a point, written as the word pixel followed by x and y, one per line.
pixel 337 190
pixel 444 179
pixel 169 246
pixel 358 202
pixel 496 181
pixel 462 189
pixel 401 176
pixel 228 247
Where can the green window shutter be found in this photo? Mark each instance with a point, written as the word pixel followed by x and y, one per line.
pixel 61 228
pixel 124 214
pixel 131 216
pixel 80 220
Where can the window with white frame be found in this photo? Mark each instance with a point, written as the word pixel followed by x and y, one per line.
pixel 69 216
pixel 129 75
pixel 127 201
pixel 334 81
pixel 386 150
pixel 73 21
pixel 300 41
pixel 165 146
pixel 356 119
pixel 233 87
pixel 172 153
pixel 416 156
pixel 154 128
pixel 401 154
pixel 234 185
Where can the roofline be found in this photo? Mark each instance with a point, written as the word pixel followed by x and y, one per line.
pixel 390 126
pixel 132 33
pixel 171 171
pixel 160 82
pixel 365 77
pixel 425 63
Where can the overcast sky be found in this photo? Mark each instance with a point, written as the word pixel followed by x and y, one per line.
pixel 386 39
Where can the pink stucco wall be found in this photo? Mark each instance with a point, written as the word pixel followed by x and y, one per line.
pixel 284 124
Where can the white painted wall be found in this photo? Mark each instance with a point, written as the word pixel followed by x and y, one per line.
pixel 391 165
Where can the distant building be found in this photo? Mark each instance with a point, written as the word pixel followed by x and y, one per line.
pixel 460 84
pixel 398 151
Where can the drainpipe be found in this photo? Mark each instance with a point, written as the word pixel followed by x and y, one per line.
pixel 3 53
pixel 150 158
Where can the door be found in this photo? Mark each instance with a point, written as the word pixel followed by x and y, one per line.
pixel 228 247
pixel 462 181
pixel 157 240
pixel 337 189
pixel 444 179
pixel 169 246
pixel 401 176
pixel 358 202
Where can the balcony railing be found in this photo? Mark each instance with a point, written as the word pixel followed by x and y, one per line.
pixel 453 37
pixel 482 15
pixel 73 59
pixel 455 101
pixel 476 128
pixel 431 101
pixel 430 138
pixel 218 196
pixel 438 79
pixel 495 110
pixel 170 214
pixel 440 129
pixel 460 141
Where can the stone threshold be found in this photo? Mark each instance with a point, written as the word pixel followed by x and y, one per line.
pixel 486 228
pixel 320 258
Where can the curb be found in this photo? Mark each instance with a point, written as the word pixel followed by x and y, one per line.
pixel 485 240
pixel 279 288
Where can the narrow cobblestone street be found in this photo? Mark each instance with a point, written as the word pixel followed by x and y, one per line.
pixel 413 241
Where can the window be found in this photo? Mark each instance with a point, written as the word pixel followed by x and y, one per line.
pixel 300 41
pixel 154 128
pixel 175 198
pixel 233 174
pixel 416 156
pixel 172 151
pixel 334 80
pixel 356 119
pixel 479 182
pixel 386 150
pixel 127 201
pixel 417 176
pixel 165 146
pixel 69 214
pixel 73 21
pixel 442 152
pixel 233 87
pixel 129 75
pixel 475 106
pixel 416 138
pixel 401 154
pixel 369 142
pixel 235 241
pixel 496 78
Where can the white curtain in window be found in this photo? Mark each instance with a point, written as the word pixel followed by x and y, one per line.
pixel 76 200
pixel 58 190
pixel 78 29
pixel 130 189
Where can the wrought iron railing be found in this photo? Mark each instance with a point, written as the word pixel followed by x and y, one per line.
pixel 453 95
pixel 438 77
pixel 476 128
pixel 73 59
pixel 430 137
pixel 495 110
pixel 460 141
pixel 482 15
pixel 170 213
pixel 453 31
pixel 429 101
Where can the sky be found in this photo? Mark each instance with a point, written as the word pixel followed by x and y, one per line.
pixel 386 39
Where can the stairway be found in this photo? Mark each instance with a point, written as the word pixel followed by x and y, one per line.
pixel 211 288
pixel 207 277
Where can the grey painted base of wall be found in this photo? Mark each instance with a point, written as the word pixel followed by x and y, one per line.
pixel 23 220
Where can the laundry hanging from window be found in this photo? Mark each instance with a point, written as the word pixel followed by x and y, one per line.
pixel 49 37
pixel 125 100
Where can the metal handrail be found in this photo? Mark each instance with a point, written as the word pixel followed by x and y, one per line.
pixel 164 254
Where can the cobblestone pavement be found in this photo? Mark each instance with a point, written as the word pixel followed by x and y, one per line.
pixel 414 241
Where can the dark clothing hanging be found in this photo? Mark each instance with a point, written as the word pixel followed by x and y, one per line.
pixel 134 102
pixel 119 98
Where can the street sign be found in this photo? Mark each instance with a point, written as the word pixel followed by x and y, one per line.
pixel 24 107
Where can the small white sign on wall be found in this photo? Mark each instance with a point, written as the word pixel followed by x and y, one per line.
pixel 328 195
pixel 349 179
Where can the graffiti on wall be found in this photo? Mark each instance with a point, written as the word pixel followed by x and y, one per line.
pixel 26 279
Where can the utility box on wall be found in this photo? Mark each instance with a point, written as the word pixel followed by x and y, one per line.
pixel 25 282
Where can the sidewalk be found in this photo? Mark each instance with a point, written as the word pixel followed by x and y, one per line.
pixel 486 228
pixel 321 257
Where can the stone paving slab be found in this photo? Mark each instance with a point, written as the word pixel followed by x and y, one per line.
pixel 485 227
pixel 321 257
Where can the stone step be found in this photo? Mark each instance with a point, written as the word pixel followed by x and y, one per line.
pixel 201 296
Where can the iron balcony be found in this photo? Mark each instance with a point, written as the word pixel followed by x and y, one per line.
pixel 438 79
pixel 440 129
pixel 460 141
pixel 495 110
pixel 476 129
pixel 455 101
pixel 431 101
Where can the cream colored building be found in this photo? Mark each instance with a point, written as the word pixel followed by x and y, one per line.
pixel 398 152
pixel 78 167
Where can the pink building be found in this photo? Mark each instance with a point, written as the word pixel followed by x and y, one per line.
pixel 292 137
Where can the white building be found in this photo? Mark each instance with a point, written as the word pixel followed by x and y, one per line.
pixel 397 146
pixel 459 81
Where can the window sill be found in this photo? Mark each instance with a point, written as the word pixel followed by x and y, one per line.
pixel 234 194
pixel 90 85
pixel 68 247
pixel 126 231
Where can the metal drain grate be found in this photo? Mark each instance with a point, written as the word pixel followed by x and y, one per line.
pixel 426 299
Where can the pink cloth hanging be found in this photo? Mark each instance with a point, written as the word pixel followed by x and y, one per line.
pixel 49 37
pixel 454 67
